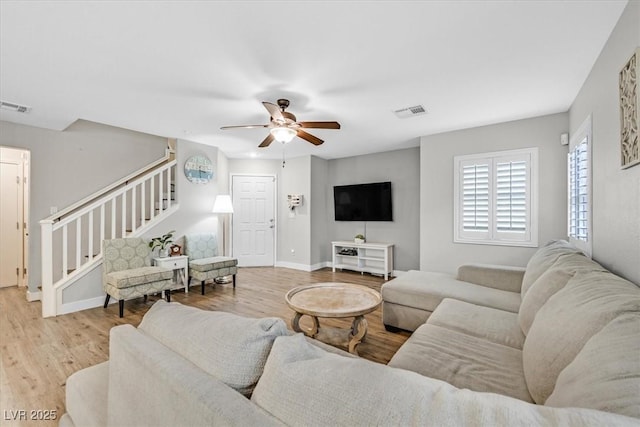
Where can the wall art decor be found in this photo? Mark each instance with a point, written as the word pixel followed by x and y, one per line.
pixel 629 118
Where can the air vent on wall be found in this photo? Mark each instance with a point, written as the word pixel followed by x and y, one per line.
pixel 416 110
pixel 14 107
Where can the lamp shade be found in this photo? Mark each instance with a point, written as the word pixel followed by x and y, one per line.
pixel 222 204
pixel 283 134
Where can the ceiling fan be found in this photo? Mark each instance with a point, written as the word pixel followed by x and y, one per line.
pixel 284 126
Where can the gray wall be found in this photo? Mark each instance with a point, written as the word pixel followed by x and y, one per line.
pixel 294 230
pixel 310 232
pixel 616 192
pixel 437 250
pixel 402 168
pixel 319 202
pixel 70 165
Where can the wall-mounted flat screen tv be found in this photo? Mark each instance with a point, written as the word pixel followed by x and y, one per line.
pixel 363 202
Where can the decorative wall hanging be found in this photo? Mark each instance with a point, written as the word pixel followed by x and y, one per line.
pixel 198 169
pixel 629 116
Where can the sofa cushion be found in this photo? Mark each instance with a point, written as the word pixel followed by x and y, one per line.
pixel 498 326
pixel 464 361
pixel 304 385
pixel 614 384
pixel 588 302
pixel 212 263
pixel 550 282
pixel 138 276
pixel 426 290
pixel 542 259
pixel 504 277
pixel 152 385
pixel 231 348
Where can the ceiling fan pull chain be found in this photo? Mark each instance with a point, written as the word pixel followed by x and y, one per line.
pixel 283 145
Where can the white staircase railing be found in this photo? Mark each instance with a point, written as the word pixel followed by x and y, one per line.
pixel 72 238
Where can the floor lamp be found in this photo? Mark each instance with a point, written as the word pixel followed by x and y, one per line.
pixel 223 206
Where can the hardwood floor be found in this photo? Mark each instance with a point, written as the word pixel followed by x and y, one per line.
pixel 37 355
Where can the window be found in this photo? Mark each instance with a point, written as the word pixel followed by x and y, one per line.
pixel 579 188
pixel 496 198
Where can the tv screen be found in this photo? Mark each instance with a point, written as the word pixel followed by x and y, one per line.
pixel 363 202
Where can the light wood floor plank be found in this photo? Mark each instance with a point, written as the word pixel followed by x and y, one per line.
pixel 37 355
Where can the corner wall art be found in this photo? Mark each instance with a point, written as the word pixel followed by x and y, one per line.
pixel 629 116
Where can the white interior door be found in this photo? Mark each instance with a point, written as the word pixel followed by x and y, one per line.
pixel 10 229
pixel 253 220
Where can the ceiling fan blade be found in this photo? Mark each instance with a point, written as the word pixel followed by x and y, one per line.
pixel 268 140
pixel 307 136
pixel 320 125
pixel 273 110
pixel 244 127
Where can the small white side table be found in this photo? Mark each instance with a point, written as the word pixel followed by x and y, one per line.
pixel 179 264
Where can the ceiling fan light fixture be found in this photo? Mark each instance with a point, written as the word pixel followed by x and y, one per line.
pixel 283 134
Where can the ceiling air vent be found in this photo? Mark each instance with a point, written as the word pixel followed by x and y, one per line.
pixel 416 110
pixel 14 107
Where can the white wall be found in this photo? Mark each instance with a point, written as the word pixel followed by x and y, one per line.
pixel 194 215
pixel 616 191
pixel 69 165
pixel 196 200
pixel 437 250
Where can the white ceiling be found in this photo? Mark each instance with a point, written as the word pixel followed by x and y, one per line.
pixel 184 69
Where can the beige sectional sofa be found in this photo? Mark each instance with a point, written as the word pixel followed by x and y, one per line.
pixel 573 339
pixel 573 348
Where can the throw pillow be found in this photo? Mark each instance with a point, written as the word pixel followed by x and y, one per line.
pixel 605 375
pixel 305 385
pixel 229 347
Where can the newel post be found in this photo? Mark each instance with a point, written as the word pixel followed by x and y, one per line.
pixel 46 254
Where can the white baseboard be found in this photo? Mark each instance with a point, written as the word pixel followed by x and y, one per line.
pixel 34 296
pixel 303 267
pixel 74 306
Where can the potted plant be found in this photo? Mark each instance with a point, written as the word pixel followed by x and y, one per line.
pixel 162 243
pixel 359 238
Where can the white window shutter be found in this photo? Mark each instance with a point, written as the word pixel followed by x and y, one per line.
pixel 496 199
pixel 475 203
pixel 579 191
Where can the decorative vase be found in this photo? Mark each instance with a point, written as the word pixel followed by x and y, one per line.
pixel 356 240
pixel 164 253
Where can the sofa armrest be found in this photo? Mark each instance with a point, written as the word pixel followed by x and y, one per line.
pixel 86 397
pixel 503 277
pixel 149 384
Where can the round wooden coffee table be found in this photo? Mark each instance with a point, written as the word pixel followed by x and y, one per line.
pixel 335 300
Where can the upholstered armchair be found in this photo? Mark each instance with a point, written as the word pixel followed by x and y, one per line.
pixel 127 272
pixel 204 262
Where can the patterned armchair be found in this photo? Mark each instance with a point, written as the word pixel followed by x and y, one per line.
pixel 127 272
pixel 204 264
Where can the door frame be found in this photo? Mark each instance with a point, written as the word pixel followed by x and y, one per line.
pixel 22 158
pixel 275 208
